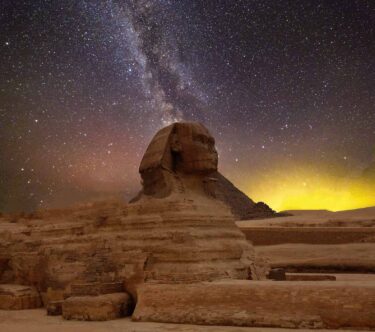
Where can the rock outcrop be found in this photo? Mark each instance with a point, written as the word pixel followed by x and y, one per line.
pixel 179 229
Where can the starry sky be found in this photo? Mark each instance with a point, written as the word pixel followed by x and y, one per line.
pixel 286 87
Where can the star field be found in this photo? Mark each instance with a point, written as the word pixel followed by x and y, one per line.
pixel 286 88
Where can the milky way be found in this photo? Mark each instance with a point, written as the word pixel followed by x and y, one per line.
pixel 287 89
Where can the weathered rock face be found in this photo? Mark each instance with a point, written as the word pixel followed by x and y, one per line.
pixel 179 229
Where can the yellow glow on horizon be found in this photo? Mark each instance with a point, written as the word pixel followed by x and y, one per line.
pixel 309 190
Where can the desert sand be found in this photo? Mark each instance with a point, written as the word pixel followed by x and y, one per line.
pixel 37 321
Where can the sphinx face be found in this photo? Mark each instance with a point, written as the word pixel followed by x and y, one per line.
pixel 194 149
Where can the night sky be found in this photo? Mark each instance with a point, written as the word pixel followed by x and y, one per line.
pixel 286 87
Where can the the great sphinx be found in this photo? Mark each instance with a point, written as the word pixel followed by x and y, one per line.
pixel 180 179
pixel 179 229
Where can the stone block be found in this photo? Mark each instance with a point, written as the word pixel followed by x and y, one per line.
pixel 283 304
pixel 18 297
pixel 97 308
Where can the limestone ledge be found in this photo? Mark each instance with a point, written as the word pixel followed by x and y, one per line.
pixel 285 304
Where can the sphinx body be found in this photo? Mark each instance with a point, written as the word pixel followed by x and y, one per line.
pixel 179 229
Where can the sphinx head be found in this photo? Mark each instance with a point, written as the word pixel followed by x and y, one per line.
pixel 181 148
pixel 193 149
